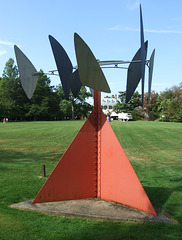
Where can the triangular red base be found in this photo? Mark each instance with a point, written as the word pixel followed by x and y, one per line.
pixel 95 165
pixel 75 176
pixel 119 182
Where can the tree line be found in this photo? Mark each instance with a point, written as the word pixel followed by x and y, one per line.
pixel 48 102
pixel 164 106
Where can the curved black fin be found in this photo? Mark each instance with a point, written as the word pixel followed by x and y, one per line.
pixel 63 64
pixel 75 83
pixel 151 66
pixel 134 73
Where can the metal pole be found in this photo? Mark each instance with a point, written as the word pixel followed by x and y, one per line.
pixel 43 171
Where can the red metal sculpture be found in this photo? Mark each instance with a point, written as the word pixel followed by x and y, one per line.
pixel 95 165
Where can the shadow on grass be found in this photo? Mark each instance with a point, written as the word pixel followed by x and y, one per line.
pixel 176 180
pixel 160 195
pixel 160 199
pixel 9 156
pixel 31 225
pixel 129 231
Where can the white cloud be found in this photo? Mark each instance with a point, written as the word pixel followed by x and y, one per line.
pixel 118 28
pixel 163 31
pixel 6 43
pixel 2 52
pixel 131 5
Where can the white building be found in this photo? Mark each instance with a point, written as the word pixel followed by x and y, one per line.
pixel 108 102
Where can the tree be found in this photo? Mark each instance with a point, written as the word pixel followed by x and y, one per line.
pixel 14 103
pixel 171 104
pixel 154 104
pixel 122 106
pixel 167 106
pixel 44 104
pixel 10 71
pixel 66 109
pixel 12 95
pixel 74 107
pixel 80 107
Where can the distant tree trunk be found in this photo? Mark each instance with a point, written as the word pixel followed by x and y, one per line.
pixel 73 113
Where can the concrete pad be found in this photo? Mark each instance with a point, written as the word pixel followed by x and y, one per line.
pixel 92 208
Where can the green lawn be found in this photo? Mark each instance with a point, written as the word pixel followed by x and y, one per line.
pixel 153 148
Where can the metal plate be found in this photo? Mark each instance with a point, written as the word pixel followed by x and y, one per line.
pixel 143 53
pixel 63 64
pixel 134 74
pixel 151 66
pixel 75 83
pixel 68 79
pixel 119 182
pixel 27 71
pixel 74 177
pixel 91 74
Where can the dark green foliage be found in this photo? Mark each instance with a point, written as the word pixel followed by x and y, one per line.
pixel 10 71
pixel 171 104
pixel 136 115
pixel 122 106
pixel 166 106
pixel 12 96
pixel 131 106
pixel 44 104
pixel 74 108
pixel 65 107
pixel 16 105
pixel 47 103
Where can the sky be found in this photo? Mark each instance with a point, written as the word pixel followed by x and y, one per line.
pixel 110 28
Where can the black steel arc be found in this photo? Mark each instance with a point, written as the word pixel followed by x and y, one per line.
pixel 68 79
pixel 151 66
pixel 134 74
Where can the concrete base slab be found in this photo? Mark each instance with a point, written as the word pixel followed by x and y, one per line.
pixel 93 208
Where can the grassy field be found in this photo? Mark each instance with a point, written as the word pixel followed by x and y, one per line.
pixel 153 148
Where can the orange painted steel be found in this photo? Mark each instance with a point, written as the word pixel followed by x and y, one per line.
pixel 75 175
pixel 95 165
pixel 119 182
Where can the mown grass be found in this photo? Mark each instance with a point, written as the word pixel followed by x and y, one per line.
pixel 153 148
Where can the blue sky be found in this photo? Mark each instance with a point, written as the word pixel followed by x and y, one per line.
pixel 110 28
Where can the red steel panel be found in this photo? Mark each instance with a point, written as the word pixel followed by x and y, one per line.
pixel 75 175
pixel 119 182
